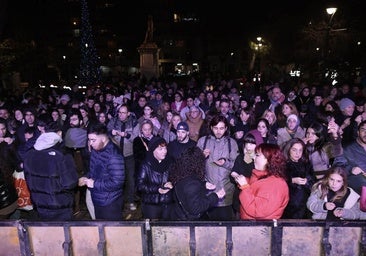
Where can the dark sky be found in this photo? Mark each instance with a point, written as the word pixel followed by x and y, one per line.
pixel 238 19
pixel 229 19
pixel 226 17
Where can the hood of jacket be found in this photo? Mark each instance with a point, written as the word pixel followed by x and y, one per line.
pixel 47 140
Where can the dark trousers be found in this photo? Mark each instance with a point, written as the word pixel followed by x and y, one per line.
pixel 112 211
pixel 156 211
pixel 130 179
pixel 55 214
pixel 220 213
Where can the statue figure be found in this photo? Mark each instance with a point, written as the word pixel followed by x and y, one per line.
pixel 150 30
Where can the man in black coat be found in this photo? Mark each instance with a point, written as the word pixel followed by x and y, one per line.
pixel 51 176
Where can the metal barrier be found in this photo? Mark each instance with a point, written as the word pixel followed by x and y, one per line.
pixel 277 237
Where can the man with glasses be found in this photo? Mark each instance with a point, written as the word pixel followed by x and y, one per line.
pixel 123 130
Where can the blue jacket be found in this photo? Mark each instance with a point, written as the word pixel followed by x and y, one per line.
pixel 107 171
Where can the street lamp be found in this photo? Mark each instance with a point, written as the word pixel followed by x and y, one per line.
pixel 256 48
pixel 331 11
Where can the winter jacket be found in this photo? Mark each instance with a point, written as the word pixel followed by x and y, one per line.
pixel 152 176
pixel 226 148
pixel 131 130
pixel 263 199
pixel 351 209
pixel 299 194
pixel 321 159
pixel 283 135
pixel 107 171
pixel 354 156
pixel 191 199
pixel 51 176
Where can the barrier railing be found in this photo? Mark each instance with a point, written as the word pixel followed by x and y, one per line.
pixel 277 237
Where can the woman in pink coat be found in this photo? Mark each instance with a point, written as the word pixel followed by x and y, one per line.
pixel 265 194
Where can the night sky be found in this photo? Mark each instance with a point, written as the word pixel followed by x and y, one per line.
pixel 230 20
pixel 221 17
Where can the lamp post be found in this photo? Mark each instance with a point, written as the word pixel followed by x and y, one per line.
pixel 331 11
pixel 256 47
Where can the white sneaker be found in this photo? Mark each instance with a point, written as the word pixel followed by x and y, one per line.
pixel 133 207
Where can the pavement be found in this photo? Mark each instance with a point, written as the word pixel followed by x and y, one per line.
pixel 83 214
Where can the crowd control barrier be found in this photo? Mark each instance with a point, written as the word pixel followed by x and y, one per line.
pixel 146 237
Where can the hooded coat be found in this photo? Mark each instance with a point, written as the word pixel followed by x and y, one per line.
pixel 51 177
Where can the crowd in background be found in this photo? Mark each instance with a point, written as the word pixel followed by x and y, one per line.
pixel 264 153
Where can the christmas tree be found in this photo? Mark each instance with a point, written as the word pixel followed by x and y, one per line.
pixel 89 73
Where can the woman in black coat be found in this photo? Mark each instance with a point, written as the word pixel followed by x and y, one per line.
pixel 152 181
pixel 192 197
pixel 300 179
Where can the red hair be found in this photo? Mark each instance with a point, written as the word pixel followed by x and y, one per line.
pixel 276 162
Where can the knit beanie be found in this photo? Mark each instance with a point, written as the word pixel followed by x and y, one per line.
pixel 155 142
pixel 345 102
pixel 293 116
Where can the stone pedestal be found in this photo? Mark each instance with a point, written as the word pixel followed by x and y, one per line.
pixel 149 65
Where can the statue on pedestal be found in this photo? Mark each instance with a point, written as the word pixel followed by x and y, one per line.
pixel 150 30
pixel 148 50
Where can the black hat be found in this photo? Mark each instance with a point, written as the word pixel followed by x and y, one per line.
pixel 183 126
pixel 155 142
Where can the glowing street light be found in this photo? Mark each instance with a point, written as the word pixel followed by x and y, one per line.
pixel 331 11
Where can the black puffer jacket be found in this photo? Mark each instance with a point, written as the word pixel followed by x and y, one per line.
pixel 8 193
pixel 152 176
pixel 51 177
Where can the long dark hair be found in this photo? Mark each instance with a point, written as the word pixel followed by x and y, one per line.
pixel 289 144
pixel 319 132
pixel 190 163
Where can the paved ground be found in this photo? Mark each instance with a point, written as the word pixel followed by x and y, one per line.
pixel 83 214
pixel 127 213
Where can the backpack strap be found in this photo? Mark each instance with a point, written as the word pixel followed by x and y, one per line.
pixel 229 143
pixel 205 142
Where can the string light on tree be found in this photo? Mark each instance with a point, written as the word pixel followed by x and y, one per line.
pixel 89 73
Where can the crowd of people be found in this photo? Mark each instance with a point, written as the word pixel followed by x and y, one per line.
pixel 186 151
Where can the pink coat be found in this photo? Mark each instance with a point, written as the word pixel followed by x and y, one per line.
pixel 263 199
